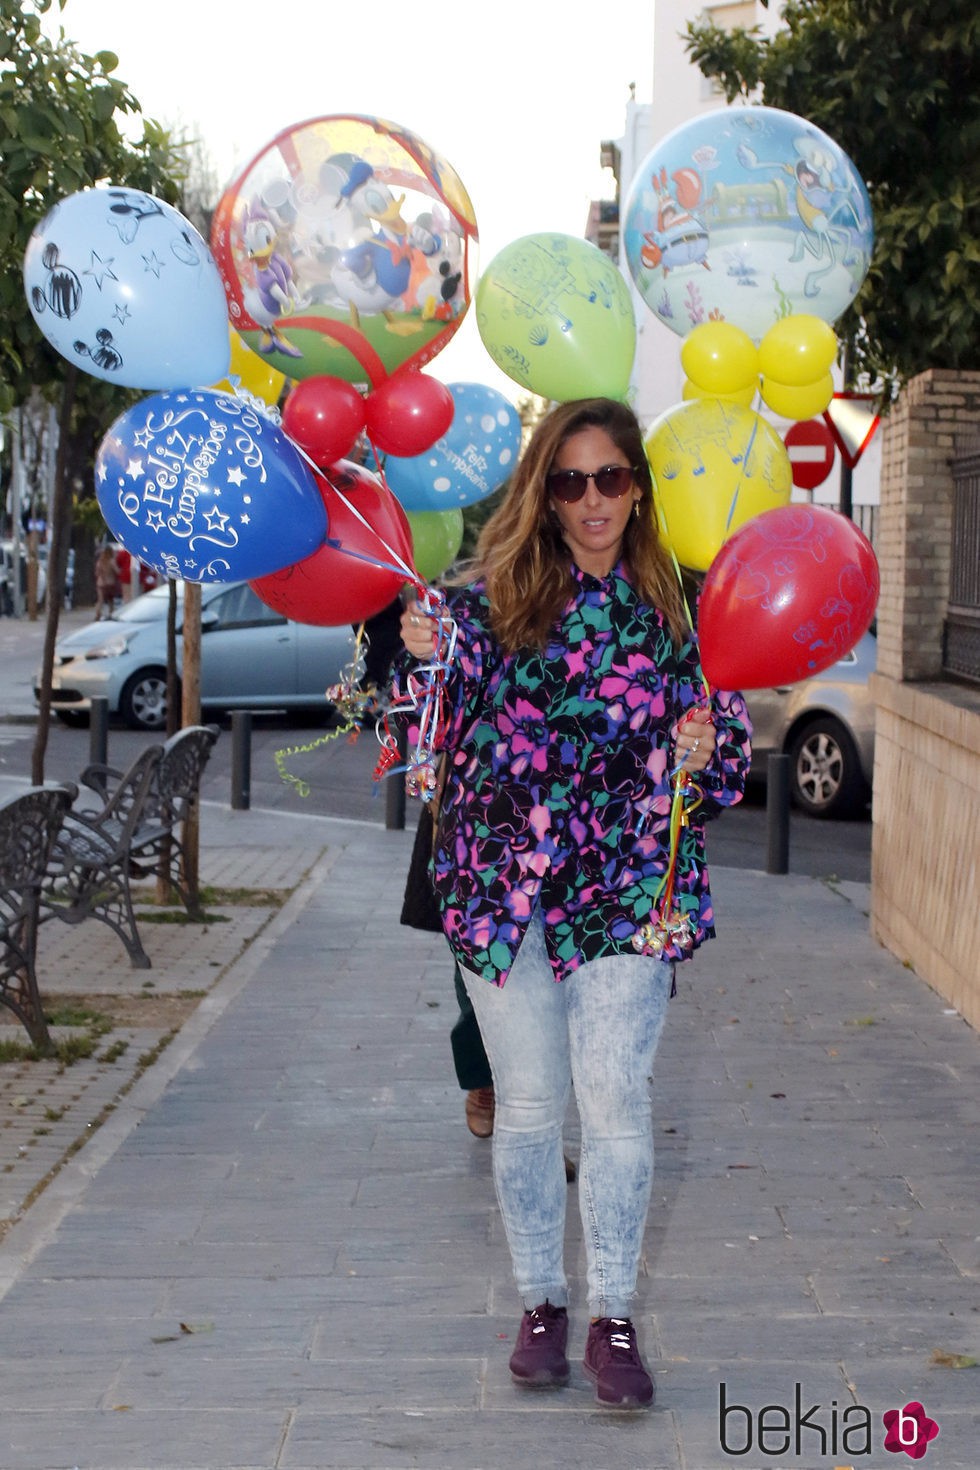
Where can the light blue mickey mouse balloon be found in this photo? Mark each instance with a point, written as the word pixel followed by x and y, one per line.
pixel 206 487
pixel 473 458
pixel 125 288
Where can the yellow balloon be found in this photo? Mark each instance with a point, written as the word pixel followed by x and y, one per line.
pixel 744 396
pixel 798 403
pixel 715 466
pixel 797 350
pixel 720 358
pixel 258 376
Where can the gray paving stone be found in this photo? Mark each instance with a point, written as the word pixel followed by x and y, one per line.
pixel 303 1196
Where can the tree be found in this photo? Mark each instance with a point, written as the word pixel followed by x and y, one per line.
pixel 60 111
pixel 897 87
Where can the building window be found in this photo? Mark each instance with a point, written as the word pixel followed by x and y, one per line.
pixel 733 16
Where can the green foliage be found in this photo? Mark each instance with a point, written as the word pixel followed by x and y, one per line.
pixel 898 89
pixel 60 114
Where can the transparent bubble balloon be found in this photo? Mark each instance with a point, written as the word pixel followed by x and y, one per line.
pixel 747 215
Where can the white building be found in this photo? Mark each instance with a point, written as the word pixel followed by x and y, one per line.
pixel 680 93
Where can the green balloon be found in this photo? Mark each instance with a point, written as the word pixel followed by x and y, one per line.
pixel 556 316
pixel 436 538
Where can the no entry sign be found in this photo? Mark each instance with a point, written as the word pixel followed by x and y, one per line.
pixel 811 449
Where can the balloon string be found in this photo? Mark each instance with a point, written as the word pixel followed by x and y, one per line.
pixel 424 696
pixel 661 517
pixel 745 460
pixel 397 564
pixel 411 575
pixel 425 688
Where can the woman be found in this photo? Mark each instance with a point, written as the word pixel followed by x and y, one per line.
pixel 574 693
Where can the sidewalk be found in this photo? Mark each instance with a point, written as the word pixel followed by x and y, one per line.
pixel 281 1248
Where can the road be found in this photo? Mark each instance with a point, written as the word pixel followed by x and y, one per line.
pixel 338 775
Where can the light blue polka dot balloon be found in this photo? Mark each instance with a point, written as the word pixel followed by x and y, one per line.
pixel 474 457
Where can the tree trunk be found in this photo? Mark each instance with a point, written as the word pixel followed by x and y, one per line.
pixel 60 513
pixel 191 715
pixel 164 889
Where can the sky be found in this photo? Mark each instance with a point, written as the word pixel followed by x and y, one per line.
pixel 517 96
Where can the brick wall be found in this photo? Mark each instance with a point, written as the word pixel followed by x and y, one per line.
pixel 926 813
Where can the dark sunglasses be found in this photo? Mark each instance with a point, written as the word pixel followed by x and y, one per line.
pixel 612 481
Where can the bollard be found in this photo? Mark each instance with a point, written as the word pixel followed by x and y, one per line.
pixel 777 813
pixel 395 786
pixel 98 731
pixel 241 760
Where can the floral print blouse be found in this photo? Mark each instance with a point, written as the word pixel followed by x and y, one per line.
pixel 558 786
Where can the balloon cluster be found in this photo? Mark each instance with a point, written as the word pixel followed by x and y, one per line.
pixel 339 265
pixel 747 232
pixel 790 369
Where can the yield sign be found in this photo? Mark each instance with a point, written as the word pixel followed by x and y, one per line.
pixel 810 446
pixel 852 420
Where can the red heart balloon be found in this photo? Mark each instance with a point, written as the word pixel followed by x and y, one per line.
pixel 355 573
pixel 788 594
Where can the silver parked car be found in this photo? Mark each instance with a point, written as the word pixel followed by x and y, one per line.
pixel 251 657
pixel 826 726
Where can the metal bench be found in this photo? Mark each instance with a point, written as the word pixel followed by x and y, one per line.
pixel 174 790
pixel 29 827
pixel 132 835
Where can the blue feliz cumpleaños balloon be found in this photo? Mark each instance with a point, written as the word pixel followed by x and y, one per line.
pixel 205 487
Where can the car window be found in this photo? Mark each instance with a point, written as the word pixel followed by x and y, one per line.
pixel 240 607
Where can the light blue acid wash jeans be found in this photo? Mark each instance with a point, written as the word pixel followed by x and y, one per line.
pixel 598 1031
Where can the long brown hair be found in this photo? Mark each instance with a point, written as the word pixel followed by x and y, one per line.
pixel 521 554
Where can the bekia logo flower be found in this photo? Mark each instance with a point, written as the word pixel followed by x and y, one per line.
pixel 909 1429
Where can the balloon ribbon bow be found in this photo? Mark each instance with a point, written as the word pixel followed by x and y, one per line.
pixel 424 697
pixel 669 926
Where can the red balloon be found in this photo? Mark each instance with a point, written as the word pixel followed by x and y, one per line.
pixel 324 416
pixel 355 573
pixel 408 413
pixel 788 594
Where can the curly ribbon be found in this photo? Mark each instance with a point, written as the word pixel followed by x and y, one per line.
pixel 667 924
pixel 425 690
pixel 349 699
pixel 425 698
pixel 257 405
pixel 301 787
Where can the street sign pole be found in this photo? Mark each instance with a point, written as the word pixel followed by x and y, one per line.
pixel 846 505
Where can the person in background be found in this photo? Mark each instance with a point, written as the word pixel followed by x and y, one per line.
pixel 574 703
pixel 383 633
pixel 124 573
pixel 106 582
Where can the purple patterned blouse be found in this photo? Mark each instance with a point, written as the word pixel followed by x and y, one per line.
pixel 558 789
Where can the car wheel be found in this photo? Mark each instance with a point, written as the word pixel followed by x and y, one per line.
pixel 143 701
pixel 75 719
pixel 826 779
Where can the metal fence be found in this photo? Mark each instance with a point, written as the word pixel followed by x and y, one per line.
pixel 961 635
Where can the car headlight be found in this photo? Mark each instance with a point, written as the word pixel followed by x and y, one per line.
pixel 111 648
